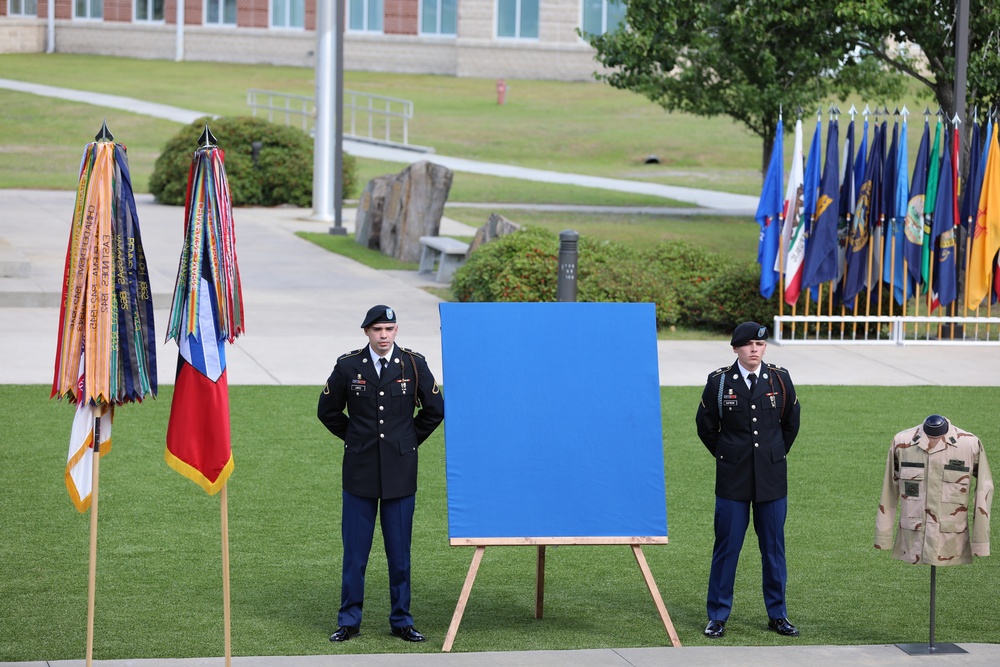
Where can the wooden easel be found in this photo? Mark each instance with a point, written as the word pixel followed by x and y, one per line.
pixel 541 542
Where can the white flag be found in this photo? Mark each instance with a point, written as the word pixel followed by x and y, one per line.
pixel 792 239
pixel 80 461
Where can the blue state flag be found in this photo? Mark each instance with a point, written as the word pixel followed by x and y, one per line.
pixel 913 229
pixel 769 209
pixel 893 272
pixel 820 264
pixel 863 224
pixel 942 239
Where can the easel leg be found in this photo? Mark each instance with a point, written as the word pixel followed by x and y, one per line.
pixel 540 582
pixel 463 599
pixel 655 592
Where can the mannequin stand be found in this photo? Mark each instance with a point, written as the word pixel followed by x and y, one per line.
pixel 931 648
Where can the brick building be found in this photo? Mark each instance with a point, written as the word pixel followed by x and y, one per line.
pixel 530 39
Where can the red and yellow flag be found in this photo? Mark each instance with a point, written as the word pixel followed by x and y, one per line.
pixel 986 235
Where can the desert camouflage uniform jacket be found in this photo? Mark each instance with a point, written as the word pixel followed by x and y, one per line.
pixel 930 480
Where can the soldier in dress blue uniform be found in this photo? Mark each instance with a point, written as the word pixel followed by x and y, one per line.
pixel 748 419
pixel 380 386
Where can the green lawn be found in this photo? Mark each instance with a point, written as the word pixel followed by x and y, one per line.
pixel 159 582
pixel 573 127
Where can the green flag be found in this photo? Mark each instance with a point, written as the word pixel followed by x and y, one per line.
pixel 930 201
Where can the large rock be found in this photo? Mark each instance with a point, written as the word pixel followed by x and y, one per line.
pixel 368 222
pixel 414 203
pixel 494 227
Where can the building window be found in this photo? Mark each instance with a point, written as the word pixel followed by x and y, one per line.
pixel 517 18
pixel 149 10
pixel 288 14
pixel 219 12
pixel 23 8
pixel 88 9
pixel 365 15
pixel 601 16
pixel 438 17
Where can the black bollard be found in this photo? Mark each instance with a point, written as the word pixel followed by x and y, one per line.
pixel 566 287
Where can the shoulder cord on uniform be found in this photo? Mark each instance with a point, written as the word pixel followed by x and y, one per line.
pixel 416 378
pixel 722 382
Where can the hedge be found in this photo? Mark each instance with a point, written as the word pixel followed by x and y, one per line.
pixel 281 174
pixel 690 286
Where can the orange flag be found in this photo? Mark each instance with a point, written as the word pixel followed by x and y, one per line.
pixel 986 237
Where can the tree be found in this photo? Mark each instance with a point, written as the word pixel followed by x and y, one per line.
pixel 887 29
pixel 744 59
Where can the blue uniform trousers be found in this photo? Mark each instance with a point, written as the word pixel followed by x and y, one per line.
pixel 357 531
pixel 732 517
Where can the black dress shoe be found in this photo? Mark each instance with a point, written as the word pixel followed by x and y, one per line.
pixel 783 627
pixel 344 633
pixel 715 629
pixel 408 634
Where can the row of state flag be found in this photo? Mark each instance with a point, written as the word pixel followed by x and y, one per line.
pixel 857 217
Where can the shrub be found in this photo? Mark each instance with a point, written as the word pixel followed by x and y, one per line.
pixel 524 267
pixel 282 174
pixel 689 285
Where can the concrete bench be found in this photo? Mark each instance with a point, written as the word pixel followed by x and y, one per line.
pixel 446 252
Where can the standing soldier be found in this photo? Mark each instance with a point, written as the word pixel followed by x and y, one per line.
pixel 380 386
pixel 748 419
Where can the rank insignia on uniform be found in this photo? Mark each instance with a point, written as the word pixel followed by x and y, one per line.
pixel 911 489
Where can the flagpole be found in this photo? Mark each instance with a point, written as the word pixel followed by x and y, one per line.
pixel 930 289
pixel 226 615
pixel 892 273
pixel 92 572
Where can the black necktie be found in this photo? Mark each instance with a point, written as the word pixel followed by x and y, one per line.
pixel 382 363
pixel 753 382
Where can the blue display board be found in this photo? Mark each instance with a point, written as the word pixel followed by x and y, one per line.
pixel 552 420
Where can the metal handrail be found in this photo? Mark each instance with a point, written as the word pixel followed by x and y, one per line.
pixel 390 114
pixel 897 330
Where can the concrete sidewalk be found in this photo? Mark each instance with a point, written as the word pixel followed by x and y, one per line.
pixel 304 306
pixel 793 655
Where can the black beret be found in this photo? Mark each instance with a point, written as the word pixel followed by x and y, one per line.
pixel 747 332
pixel 377 314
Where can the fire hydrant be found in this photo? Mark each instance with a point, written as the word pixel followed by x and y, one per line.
pixel 501 91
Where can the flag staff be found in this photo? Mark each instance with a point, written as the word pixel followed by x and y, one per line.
pixel 103 135
pixel 208 140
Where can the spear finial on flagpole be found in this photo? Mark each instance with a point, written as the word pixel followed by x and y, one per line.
pixel 867 112
pixel 927 113
pixel 956 121
pixel 853 111
pixel 104 134
pixel 896 112
pixel 819 114
pixel 905 112
pixel 885 109
pixel 799 111
pixel 207 139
